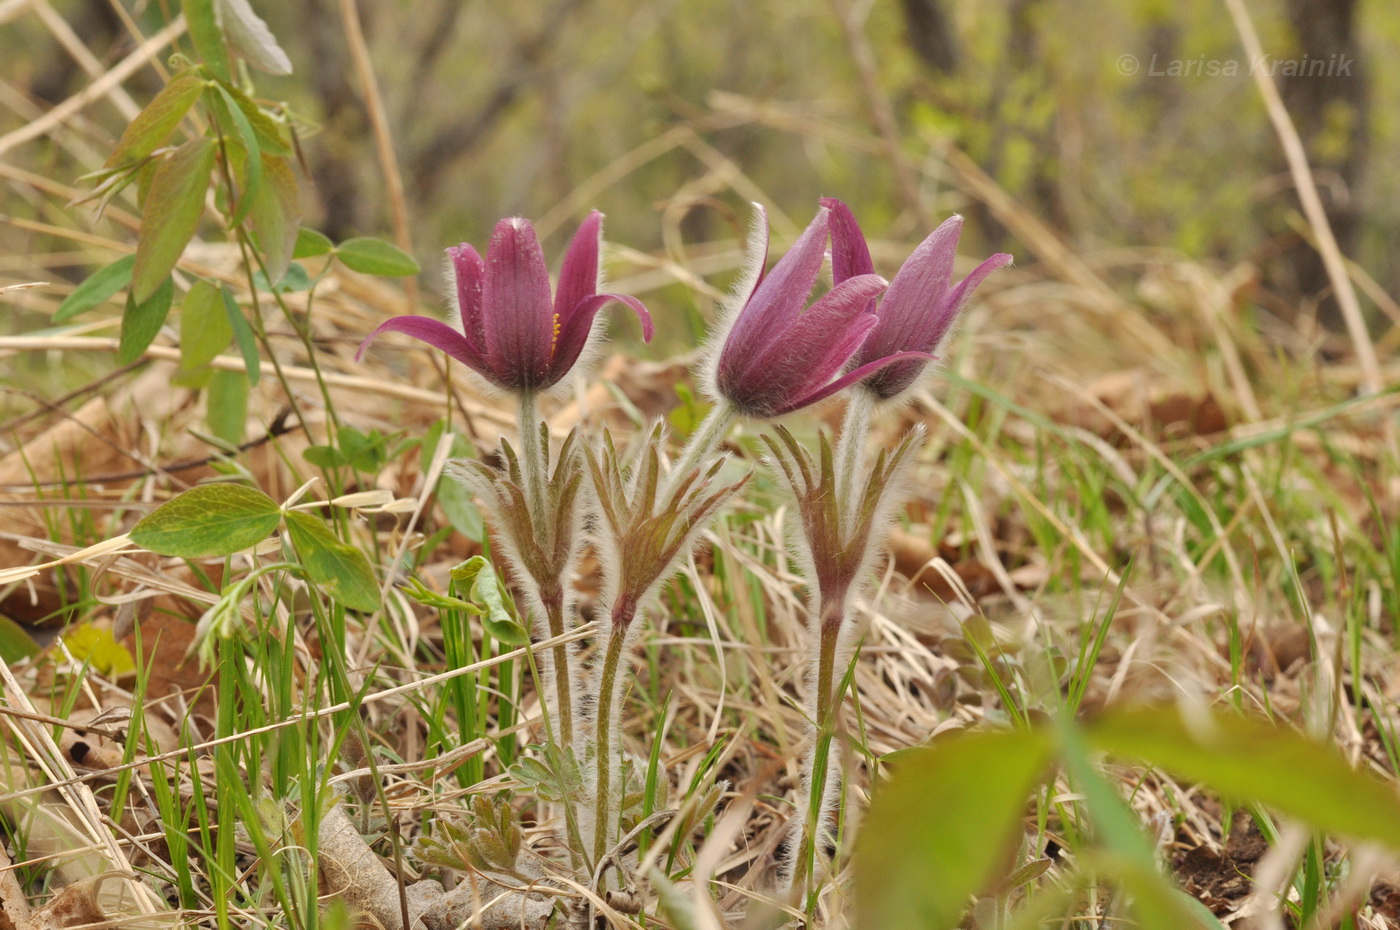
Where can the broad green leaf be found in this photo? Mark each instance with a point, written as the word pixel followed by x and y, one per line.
pixel 226 405
pixel 276 215
pixel 208 39
pixel 338 567
pixel 456 502
pixel 242 334
pixel 269 131
pixel 98 288
pixel 212 519
pixel 16 644
pixel 296 279
pixel 153 125
pixel 204 326
pixel 173 207
pixel 324 456
pixel 948 818
pixel 251 175
pixel 478 577
pixel 1250 759
pixel 249 36
pixel 141 322
pixel 377 257
pixel 311 243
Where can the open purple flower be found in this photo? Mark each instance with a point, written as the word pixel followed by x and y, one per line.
pixel 919 308
pixel 778 357
pixel 511 332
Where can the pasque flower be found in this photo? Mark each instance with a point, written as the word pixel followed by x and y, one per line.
pixel 920 307
pixel 778 357
pixel 511 332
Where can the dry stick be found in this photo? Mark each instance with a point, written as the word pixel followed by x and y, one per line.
pixel 64 34
pixel 1312 203
pixel 101 87
pixel 383 139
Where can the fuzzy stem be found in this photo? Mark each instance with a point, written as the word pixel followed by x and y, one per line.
pixel 817 801
pixel 606 761
pixel 702 442
pixel 850 449
pixel 532 457
pixel 561 659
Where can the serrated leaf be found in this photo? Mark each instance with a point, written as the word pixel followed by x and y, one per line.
pixel 16 644
pixel 242 334
pixel 209 520
pixel 340 568
pixel 936 832
pixel 204 326
pixel 141 322
pixel 276 215
pixel 1250 759
pixel 174 205
pixel 153 125
pixel 249 36
pixel 311 243
pixel 376 257
pixel 226 405
pixel 99 287
pixel 208 38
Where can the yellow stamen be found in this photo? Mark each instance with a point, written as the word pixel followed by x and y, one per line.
pixel 554 340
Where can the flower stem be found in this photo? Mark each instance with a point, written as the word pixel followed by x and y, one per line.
pixel 606 758
pixel 563 670
pixel 702 442
pixel 850 449
pixel 532 458
pixel 818 800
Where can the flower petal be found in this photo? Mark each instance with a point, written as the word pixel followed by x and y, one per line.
pixel 574 334
pixel 850 255
pixel 910 316
pixel 963 292
pixel 813 349
pixel 860 374
pixel 780 295
pixel 436 334
pixel 469 273
pixel 578 276
pixel 518 317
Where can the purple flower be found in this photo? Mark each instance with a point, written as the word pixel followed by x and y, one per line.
pixel 919 308
pixel 777 357
pixel 511 333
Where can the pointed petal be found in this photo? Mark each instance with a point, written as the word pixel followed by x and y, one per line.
pixel 961 294
pixel 779 297
pixel 578 276
pixel 814 348
pixel 436 334
pixel 518 318
pixel 861 373
pixel 850 255
pixel 910 316
pixel 574 334
pixel 469 274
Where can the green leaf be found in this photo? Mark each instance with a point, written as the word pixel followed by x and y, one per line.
pixel 326 457
pixel 456 502
pixel 938 831
pixel 311 243
pixel 226 405
pixel 204 326
pixel 338 567
pixel 173 207
pixel 209 520
pixel 153 125
pixel 377 257
pixel 249 36
pixel 1250 759
pixel 207 37
pixel 252 161
pixel 16 644
pixel 276 214
pixel 296 279
pixel 98 288
pixel 478 576
pixel 242 334
pixel 141 322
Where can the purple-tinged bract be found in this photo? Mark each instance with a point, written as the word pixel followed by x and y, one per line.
pixel 512 332
pixel 920 307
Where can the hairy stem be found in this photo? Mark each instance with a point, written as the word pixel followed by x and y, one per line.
pixel 821 787
pixel 532 458
pixel 850 449
pixel 702 442
pixel 607 761
pixel 561 659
